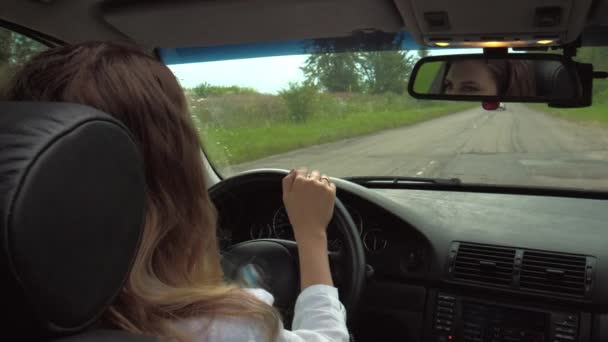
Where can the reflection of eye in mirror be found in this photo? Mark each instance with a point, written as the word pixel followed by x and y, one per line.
pixel 510 77
pixel 472 77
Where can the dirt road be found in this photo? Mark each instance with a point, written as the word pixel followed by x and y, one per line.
pixel 516 146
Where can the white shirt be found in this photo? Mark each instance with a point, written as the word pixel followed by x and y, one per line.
pixel 318 317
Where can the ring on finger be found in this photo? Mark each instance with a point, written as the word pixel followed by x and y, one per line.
pixel 325 178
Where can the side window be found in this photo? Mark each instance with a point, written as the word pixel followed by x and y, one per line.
pixel 15 50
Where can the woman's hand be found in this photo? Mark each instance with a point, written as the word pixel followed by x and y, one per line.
pixel 309 200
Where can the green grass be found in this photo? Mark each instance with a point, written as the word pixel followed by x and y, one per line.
pixel 597 113
pixel 240 144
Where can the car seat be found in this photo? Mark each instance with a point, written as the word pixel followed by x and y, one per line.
pixel 72 190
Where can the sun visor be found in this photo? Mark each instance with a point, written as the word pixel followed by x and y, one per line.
pixel 483 23
pixel 207 23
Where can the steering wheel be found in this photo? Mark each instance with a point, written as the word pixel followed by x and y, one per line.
pixel 276 260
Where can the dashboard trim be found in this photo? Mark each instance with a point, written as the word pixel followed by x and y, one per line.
pixel 482 188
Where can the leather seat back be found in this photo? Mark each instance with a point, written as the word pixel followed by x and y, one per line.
pixel 72 192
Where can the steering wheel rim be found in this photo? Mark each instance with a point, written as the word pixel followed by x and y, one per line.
pixel 351 257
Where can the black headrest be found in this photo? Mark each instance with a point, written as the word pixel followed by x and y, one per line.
pixel 72 194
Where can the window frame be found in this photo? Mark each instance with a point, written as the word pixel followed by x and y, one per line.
pixel 40 37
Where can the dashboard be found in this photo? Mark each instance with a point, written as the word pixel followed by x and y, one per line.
pixel 461 266
pixel 385 238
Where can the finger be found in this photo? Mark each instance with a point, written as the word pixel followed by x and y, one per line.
pixel 288 181
pixel 302 172
pixel 325 179
pixel 315 175
pixel 301 177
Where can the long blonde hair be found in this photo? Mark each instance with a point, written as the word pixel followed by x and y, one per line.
pixel 177 272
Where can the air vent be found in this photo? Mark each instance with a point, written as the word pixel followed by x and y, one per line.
pixel 555 273
pixel 484 264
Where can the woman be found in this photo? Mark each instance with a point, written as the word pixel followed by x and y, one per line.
pixel 490 77
pixel 176 287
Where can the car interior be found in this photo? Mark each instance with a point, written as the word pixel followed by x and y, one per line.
pixel 414 258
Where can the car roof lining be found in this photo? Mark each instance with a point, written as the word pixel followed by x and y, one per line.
pixel 155 23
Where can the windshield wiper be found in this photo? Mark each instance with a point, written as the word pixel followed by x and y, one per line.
pixel 370 180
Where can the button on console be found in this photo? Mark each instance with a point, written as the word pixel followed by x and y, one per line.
pixel 444 312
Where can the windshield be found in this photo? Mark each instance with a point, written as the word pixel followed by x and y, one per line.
pixel 348 114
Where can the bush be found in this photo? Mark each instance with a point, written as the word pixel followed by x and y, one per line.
pixel 330 105
pixel 206 90
pixel 298 103
pixel 239 110
pixel 301 100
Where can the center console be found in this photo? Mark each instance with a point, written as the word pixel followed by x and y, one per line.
pixel 453 318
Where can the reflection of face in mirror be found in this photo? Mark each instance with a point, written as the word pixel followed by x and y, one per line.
pixel 493 77
pixel 472 77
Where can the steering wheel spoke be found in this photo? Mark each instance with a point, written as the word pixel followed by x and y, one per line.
pixel 336 265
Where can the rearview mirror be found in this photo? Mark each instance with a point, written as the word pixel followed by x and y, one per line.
pixel 516 77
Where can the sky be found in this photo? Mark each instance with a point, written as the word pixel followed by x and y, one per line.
pixel 265 74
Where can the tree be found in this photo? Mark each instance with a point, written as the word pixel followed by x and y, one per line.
pixel 333 72
pixel 15 50
pixel 23 49
pixel 385 71
pixel 373 71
